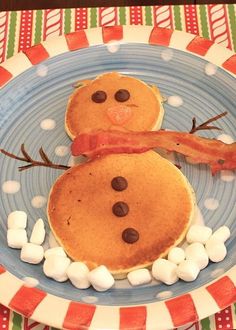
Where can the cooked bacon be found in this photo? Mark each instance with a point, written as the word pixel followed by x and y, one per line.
pixel 218 155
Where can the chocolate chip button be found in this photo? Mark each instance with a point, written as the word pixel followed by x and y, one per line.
pixel 99 97
pixel 119 183
pixel 120 209
pixel 122 95
pixel 130 235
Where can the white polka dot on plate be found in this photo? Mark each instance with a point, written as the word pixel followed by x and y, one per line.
pixel 227 175
pixel 175 101
pixel 167 54
pixel 211 204
pixel 89 299
pixel 30 282
pixel 113 47
pixel 62 151
pixel 164 294
pixel 42 70
pixel 38 201
pixel 48 124
pixel 10 187
pixel 210 69
pixel 217 272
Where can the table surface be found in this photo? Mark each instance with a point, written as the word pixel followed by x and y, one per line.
pixel 204 20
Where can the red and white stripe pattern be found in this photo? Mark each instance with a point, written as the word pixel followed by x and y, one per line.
pixel 52 23
pixel 188 308
pixel 108 16
pixel 219 25
pixel 162 16
pixel 142 34
pixel 175 312
pixel 3 34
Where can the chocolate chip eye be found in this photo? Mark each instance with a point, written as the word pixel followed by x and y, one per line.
pixel 99 97
pixel 122 95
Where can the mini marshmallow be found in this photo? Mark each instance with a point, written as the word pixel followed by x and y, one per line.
pixel 176 255
pixel 38 233
pixel 16 238
pixel 78 275
pixel 55 266
pixel 164 271
pixel 101 279
pixel 58 251
pixel 216 250
pixel 139 277
pixel 188 270
pixel 17 220
pixel 198 233
pixel 32 253
pixel 222 234
pixel 196 252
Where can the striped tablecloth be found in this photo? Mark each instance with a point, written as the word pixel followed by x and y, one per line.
pixel 22 29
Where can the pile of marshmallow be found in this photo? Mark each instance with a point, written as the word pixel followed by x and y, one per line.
pixel 56 264
pixel 185 264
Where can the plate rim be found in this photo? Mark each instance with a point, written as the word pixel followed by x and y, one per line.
pixel 201 302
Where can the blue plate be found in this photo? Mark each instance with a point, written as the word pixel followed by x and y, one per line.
pixel 32 110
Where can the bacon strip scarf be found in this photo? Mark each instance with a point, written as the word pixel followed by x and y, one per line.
pixel 216 154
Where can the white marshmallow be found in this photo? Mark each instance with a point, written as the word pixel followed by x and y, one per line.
pixel 38 233
pixel 222 234
pixel 198 233
pixel 216 250
pixel 101 279
pixel 16 238
pixel 164 271
pixel 17 220
pixel 188 270
pixel 58 251
pixel 176 255
pixel 55 266
pixel 196 252
pixel 78 275
pixel 139 277
pixel 32 253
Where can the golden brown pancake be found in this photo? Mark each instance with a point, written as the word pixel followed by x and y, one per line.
pixel 80 210
pixel 142 111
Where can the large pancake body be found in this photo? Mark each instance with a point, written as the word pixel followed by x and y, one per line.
pixel 83 114
pixel 160 200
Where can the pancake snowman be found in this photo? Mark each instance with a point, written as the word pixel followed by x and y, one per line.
pixel 126 210
pixel 126 207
